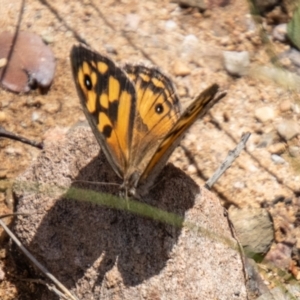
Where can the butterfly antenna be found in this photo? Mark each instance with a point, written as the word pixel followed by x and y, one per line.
pixel 97 183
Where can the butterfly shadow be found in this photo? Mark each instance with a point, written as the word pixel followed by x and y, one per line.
pixel 84 241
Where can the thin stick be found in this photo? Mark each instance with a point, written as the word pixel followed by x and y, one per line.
pixel 60 286
pixel 14 214
pixel 10 135
pixel 231 157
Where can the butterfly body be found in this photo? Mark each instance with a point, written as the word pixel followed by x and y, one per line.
pixel 134 113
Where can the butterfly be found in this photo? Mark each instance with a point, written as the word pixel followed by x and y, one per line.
pixel 134 113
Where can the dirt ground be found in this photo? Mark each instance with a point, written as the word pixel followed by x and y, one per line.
pixel 188 45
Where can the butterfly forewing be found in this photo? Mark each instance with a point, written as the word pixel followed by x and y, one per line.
pixel 108 98
pixel 197 109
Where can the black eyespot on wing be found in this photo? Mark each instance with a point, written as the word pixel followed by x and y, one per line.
pixel 159 108
pixel 88 82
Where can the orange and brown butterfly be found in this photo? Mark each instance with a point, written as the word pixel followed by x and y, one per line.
pixel 134 113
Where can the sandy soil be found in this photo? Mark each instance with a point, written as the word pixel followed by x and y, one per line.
pixel 176 40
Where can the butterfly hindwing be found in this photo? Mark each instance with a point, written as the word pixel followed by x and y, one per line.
pixel 158 109
pixel 157 102
pixel 108 98
pixel 196 110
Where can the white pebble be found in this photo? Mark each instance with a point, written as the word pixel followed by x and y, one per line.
pixel 278 160
pixel 14 151
pixel 35 117
pixel 279 32
pixel 170 25
pixel 236 63
pixel 239 185
pixel 288 129
pixel 264 114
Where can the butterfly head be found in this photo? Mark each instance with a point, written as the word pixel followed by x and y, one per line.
pixel 129 186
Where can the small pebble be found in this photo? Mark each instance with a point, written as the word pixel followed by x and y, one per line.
pixel 190 39
pixel 191 169
pixel 69 34
pixel 36 117
pixel 296 108
pixel 294 151
pixel 182 91
pixel 236 63
pixel 239 185
pixel 278 160
pixel 3 62
pixel 279 32
pixel 170 25
pixel 24 124
pixel 2 116
pixel 132 21
pixel 288 129
pixel 225 41
pixel 286 62
pixel 13 151
pixel 5 103
pixel 277 148
pixel 47 38
pixel 285 106
pixel 180 68
pixel 190 47
pixel 110 49
pixel 52 107
pixel 264 114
